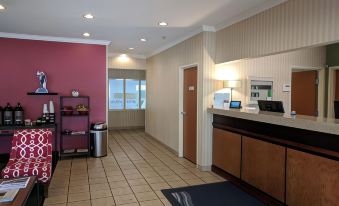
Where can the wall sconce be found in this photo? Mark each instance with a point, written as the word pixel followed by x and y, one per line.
pixel 232 84
pixel 123 58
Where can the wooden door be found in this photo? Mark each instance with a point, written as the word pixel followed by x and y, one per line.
pixel 304 96
pixel 190 114
pixel 337 85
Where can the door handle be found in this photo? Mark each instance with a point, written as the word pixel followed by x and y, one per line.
pixel 183 113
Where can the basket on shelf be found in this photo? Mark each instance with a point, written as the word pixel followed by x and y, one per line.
pixel 67 110
pixel 82 109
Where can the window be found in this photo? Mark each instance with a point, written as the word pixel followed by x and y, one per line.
pixel 116 94
pixel 127 94
pixel 132 94
pixel 143 94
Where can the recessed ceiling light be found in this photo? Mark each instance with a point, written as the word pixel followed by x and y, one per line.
pixel 88 16
pixel 2 7
pixel 131 48
pixel 162 23
pixel 143 39
pixel 86 34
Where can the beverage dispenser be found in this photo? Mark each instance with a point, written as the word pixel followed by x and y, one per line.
pixel 19 115
pixel 1 116
pixel 8 115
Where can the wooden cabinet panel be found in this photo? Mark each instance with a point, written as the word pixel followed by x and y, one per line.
pixel 311 180
pixel 263 166
pixel 227 151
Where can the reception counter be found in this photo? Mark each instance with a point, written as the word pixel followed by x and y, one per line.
pixel 279 158
pixel 317 124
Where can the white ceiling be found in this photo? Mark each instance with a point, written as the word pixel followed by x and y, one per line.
pixel 124 22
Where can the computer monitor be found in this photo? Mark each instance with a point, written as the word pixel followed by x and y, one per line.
pixel 336 109
pixel 235 104
pixel 271 106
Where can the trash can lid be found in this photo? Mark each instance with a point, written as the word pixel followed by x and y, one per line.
pixel 98 126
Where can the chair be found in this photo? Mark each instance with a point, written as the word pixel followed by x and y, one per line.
pixel 31 155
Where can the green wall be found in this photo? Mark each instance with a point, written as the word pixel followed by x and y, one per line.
pixel 332 55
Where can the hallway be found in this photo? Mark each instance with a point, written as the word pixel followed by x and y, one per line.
pixel 136 169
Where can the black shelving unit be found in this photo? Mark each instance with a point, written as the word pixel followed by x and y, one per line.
pixel 42 94
pixel 74 117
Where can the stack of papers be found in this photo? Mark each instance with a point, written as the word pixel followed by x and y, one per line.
pixel 14 183
pixel 82 150
pixel 78 132
pixel 69 151
pixel 8 195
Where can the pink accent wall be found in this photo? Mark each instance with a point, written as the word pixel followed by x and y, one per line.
pixel 68 66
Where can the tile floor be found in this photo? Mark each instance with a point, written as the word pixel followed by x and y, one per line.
pixel 133 173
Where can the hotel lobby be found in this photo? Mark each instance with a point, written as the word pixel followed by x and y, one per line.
pixel 183 103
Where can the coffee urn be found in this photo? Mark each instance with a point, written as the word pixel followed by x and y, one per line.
pixel 1 116
pixel 8 115
pixel 18 115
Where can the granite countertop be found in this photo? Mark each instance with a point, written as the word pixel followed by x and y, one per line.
pixel 8 130
pixel 318 124
pixel 10 127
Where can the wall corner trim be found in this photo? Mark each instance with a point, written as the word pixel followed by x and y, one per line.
pixel 187 36
pixel 208 28
pixel 163 144
pixel 53 39
pixel 138 56
pixel 175 42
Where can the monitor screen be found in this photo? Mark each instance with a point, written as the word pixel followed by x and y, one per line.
pixel 336 109
pixel 271 106
pixel 235 104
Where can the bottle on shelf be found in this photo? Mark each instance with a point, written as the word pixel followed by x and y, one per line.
pixel 39 121
pixel 51 113
pixel 45 115
pixel 19 115
pixel 8 115
pixel 43 119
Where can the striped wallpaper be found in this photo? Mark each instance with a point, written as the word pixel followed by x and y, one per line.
pixel 277 67
pixel 162 113
pixel 132 63
pixel 288 26
pixel 126 119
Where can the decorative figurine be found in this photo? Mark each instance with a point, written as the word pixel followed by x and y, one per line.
pixel 75 93
pixel 43 81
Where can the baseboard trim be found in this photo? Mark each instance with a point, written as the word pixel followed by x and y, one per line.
pixel 163 144
pixel 201 168
pixel 205 168
pixel 126 128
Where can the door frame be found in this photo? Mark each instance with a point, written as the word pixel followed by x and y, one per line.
pixel 181 107
pixel 321 86
pixel 331 91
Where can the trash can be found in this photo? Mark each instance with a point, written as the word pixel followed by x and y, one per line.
pixel 99 139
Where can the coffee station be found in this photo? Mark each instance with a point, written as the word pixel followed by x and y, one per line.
pixel 13 118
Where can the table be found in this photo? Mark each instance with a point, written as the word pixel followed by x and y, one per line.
pixel 23 196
